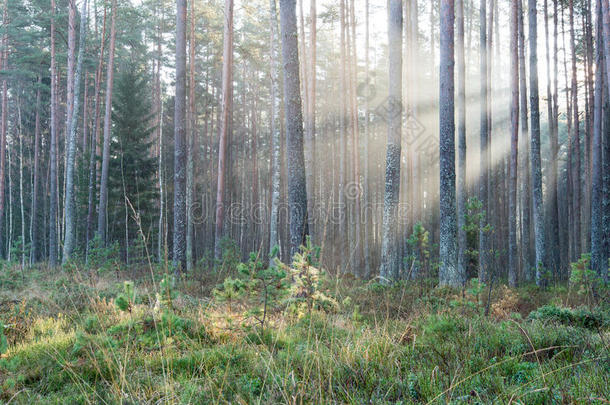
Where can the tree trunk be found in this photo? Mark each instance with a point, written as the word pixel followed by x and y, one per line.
pixel 190 146
pixel 513 261
pixel 69 86
pixel 448 272
pixel 95 141
pixel 484 164
pixel 103 205
pixel 53 152
pixel 274 240
pixel 36 181
pixel 365 186
pixel 357 186
pixel 21 204
pixel 179 232
pixel 310 141
pixel 389 256
pixel 541 260
pixel 341 243
pixel 606 25
pixel 297 195
pixel 552 207
pixel 526 193
pixel 462 259
pixel 597 189
pixel 227 77
pixel 3 127
pixel 575 144
pixel 69 197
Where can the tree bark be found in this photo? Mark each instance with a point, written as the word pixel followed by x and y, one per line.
pixel 274 240
pixel 513 261
pixel 103 204
pixel 553 213
pixel 448 272
pixel 95 141
pixel 227 77
pixel 179 230
pixel 310 141
pixel 462 259
pixel 36 181
pixel 540 242
pixel 526 193
pixel 389 256
pixel 297 194
pixel 575 142
pixel 53 152
pixel 365 186
pixel 484 135
pixel 192 120
pixel 69 197
pixel 606 25
pixel 597 189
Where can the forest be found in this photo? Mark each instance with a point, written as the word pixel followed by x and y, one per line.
pixel 305 201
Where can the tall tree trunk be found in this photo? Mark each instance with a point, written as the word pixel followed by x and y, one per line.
pixel 513 261
pixel 575 144
pixel 95 141
pixel 21 204
pixel 365 187
pixel 179 232
pixel 274 240
pixel 161 240
pixel 541 259
pixel 310 141
pixel 358 253
pixel 484 263
pixel 3 127
pixel 526 193
pixel 597 189
pixel 69 86
pixel 462 259
pixel 69 197
pixel 36 181
pixel 53 153
pixel 448 272
pixel 389 256
pixel 227 77
pixel 341 243
pixel 190 146
pixel 553 213
pixel 103 205
pixel 606 25
pixel 297 195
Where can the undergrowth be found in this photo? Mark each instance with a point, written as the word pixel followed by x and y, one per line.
pixel 293 334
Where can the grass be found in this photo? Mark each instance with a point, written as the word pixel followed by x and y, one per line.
pixel 410 343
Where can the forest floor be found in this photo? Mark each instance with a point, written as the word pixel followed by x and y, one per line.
pixel 81 336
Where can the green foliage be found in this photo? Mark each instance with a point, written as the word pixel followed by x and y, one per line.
pixel 307 282
pixel 19 249
pixel 418 261
pixel 3 341
pixel 581 317
pixel 127 298
pixel 585 281
pixel 264 287
pixel 101 257
pixel 406 344
pixel 132 186
pixel 167 293
pixel 230 256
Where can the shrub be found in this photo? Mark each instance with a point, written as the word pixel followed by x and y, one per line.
pixel 581 317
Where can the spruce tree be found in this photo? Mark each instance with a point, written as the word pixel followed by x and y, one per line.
pixel 132 186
